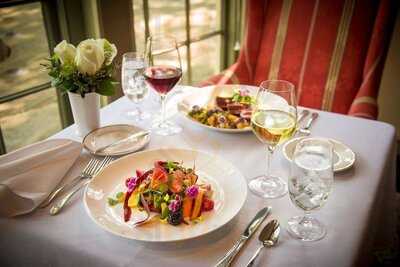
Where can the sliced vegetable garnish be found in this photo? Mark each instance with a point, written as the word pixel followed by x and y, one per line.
pixel 170 190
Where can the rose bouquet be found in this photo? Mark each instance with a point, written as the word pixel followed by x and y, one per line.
pixel 87 68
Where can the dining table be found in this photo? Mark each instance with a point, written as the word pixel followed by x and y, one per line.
pixel 359 214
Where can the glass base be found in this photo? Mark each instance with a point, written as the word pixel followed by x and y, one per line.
pixel 136 115
pixel 166 128
pixel 309 230
pixel 268 186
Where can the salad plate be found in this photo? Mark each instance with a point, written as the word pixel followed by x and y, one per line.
pixel 229 191
pixel 209 100
pixel 343 157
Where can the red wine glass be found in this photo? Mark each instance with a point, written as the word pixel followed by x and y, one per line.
pixel 162 74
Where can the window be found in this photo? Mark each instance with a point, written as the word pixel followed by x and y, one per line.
pixel 31 110
pixel 197 26
pixel 28 105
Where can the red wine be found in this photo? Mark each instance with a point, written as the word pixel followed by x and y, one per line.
pixel 162 78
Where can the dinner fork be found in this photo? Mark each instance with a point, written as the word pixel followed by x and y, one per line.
pixel 86 173
pixel 98 167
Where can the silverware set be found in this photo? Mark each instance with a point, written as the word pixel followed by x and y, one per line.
pixel 246 235
pixel 92 168
pixel 268 238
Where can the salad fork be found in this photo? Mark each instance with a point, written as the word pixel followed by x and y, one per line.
pixel 98 167
pixel 86 173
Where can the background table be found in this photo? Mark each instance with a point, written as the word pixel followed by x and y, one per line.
pixel 362 201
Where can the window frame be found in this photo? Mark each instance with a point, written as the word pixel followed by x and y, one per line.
pixel 62 20
pixel 222 32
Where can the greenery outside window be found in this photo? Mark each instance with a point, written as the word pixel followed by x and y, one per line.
pixel 27 100
pixel 197 25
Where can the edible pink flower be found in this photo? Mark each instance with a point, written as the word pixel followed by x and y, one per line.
pixel 175 205
pixel 192 191
pixel 131 183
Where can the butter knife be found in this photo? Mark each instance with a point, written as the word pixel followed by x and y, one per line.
pixel 130 137
pixel 248 232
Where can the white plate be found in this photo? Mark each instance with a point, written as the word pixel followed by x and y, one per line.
pixel 343 157
pixel 112 133
pixel 206 97
pixel 229 185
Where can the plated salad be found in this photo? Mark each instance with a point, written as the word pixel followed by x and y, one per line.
pixel 230 112
pixel 168 189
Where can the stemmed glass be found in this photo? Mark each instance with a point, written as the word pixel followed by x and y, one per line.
pixel 273 121
pixel 133 84
pixel 310 184
pixel 163 72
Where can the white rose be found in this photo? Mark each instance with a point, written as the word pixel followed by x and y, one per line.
pixel 65 52
pixel 89 56
pixel 110 50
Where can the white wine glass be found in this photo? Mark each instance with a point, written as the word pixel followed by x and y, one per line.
pixel 162 74
pixel 310 183
pixel 133 83
pixel 273 121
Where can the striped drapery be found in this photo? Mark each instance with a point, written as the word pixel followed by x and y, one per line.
pixel 333 51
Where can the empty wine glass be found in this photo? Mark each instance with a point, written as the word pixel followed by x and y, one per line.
pixel 133 83
pixel 162 74
pixel 273 121
pixel 310 184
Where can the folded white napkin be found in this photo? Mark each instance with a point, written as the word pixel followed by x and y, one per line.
pixel 30 174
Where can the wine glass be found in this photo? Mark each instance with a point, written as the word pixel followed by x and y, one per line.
pixel 273 121
pixel 310 184
pixel 162 74
pixel 133 83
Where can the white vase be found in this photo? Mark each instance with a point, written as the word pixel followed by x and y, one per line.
pixel 86 112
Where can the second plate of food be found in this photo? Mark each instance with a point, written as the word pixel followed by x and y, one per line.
pixel 224 108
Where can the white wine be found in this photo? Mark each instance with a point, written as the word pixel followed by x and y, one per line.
pixel 273 126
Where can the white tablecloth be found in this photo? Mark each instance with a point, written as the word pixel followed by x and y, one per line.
pixel 361 203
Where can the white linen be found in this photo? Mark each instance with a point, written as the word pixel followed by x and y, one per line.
pixel 358 208
pixel 28 175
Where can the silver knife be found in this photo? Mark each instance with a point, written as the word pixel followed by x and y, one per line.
pixel 130 137
pixel 248 232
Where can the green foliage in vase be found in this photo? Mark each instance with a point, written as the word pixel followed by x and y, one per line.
pixel 85 69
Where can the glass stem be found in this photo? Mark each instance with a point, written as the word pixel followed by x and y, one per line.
pixel 306 220
pixel 270 151
pixel 163 109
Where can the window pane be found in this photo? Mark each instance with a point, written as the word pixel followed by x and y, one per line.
pixel 22 29
pixel 138 17
pixel 204 16
pixel 183 54
pixel 168 17
pixel 29 119
pixel 205 58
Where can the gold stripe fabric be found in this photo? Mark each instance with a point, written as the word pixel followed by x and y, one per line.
pixel 365 100
pixel 307 49
pixel 229 74
pixel 371 70
pixel 280 40
pixel 337 55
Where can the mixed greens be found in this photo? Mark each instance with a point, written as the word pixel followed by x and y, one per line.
pixel 168 189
